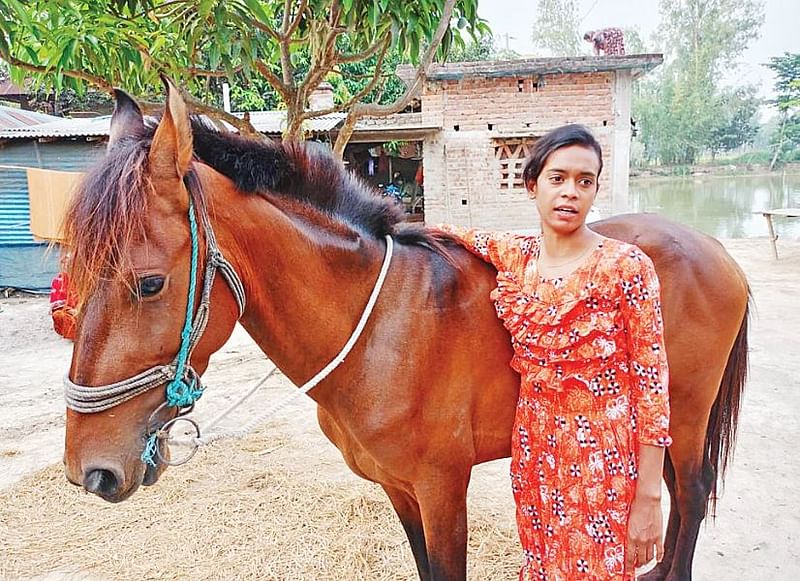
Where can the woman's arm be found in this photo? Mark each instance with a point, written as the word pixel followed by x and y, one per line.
pixel 645 521
pixel 501 249
pixel 641 308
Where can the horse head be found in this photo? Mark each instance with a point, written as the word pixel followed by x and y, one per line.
pixel 134 229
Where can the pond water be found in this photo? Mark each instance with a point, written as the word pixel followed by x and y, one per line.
pixel 723 206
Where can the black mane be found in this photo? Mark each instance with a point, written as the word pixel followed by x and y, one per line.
pixel 307 172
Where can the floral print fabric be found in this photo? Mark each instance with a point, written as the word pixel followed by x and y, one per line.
pixel 590 352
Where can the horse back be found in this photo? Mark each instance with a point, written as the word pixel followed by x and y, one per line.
pixel 704 293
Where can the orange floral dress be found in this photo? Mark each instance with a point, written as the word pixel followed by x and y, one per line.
pixel 590 352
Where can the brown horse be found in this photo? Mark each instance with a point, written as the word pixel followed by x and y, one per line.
pixel 427 391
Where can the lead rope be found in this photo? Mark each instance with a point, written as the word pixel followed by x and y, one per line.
pixel 302 390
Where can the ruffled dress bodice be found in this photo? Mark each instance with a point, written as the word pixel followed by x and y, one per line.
pixel 560 327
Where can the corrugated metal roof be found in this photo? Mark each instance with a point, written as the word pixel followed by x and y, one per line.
pixel 7 88
pixel 274 122
pixel 91 127
pixel 11 117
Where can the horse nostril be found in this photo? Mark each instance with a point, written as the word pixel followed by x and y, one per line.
pixel 101 482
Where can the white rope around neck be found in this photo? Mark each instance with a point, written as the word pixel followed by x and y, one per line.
pixel 307 386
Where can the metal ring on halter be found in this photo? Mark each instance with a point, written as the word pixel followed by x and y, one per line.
pixel 165 405
pixel 163 435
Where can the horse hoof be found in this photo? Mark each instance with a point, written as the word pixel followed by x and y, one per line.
pixel 657 573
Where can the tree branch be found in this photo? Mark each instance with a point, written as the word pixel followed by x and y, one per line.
pixel 265 28
pixel 285 92
pixel 366 90
pixel 376 110
pixel 287 69
pixel 359 110
pixel 355 58
pixel 356 76
pixel 290 27
pixel 325 64
pixel 216 74
pixel 99 82
pixel 243 125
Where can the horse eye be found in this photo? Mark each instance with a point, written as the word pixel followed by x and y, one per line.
pixel 150 285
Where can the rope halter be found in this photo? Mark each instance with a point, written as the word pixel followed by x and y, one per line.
pixel 184 387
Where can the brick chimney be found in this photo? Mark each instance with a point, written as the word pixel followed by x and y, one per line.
pixel 321 97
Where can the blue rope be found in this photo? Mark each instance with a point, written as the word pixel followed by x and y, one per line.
pixel 181 391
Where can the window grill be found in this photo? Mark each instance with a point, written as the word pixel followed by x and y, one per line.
pixel 510 154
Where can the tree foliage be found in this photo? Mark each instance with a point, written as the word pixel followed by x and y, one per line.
pixel 736 117
pixel 556 27
pixel 786 138
pixel 682 111
pixel 292 45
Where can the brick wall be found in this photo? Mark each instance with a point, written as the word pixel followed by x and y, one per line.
pixel 462 174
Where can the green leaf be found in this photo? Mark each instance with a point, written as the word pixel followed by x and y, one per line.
pixel 258 11
pixel 204 8
pixel 66 54
pixel 21 12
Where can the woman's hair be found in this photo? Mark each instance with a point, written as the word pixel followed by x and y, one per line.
pixel 562 137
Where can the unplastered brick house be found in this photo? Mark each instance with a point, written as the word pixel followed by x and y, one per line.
pixel 478 121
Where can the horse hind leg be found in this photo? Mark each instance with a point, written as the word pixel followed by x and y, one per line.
pixel 694 479
pixel 703 445
pixel 408 511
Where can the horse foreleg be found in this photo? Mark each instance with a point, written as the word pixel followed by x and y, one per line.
pixel 407 510
pixel 443 506
pixel 660 571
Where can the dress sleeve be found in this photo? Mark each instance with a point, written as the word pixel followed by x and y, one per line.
pixel 641 309
pixel 501 249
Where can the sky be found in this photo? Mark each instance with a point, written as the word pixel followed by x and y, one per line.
pixel 512 23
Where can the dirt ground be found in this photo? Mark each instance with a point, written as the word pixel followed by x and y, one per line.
pixel 755 535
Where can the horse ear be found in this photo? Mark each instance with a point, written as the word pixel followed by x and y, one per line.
pixel 171 151
pixel 127 119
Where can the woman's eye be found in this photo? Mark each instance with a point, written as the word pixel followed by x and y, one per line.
pixel 150 286
pixel 555 179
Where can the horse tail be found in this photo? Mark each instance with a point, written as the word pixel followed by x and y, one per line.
pixel 724 418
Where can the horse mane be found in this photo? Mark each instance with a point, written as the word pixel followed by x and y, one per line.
pixel 308 172
pixel 108 211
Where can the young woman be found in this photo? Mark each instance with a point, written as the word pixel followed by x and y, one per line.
pixel 592 417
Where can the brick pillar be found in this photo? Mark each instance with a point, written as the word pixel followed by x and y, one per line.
pixel 621 142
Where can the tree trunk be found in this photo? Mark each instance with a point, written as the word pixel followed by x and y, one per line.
pixel 294 124
pixel 344 135
pixel 779 147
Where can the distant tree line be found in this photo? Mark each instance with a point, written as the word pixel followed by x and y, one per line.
pixel 682 109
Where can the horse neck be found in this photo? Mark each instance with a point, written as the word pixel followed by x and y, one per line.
pixel 306 285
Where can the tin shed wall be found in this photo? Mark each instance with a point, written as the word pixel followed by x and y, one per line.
pixel 24 262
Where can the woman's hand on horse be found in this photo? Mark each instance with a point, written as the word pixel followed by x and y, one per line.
pixel 645 532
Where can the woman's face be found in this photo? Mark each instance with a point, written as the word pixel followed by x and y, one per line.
pixel 566 188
